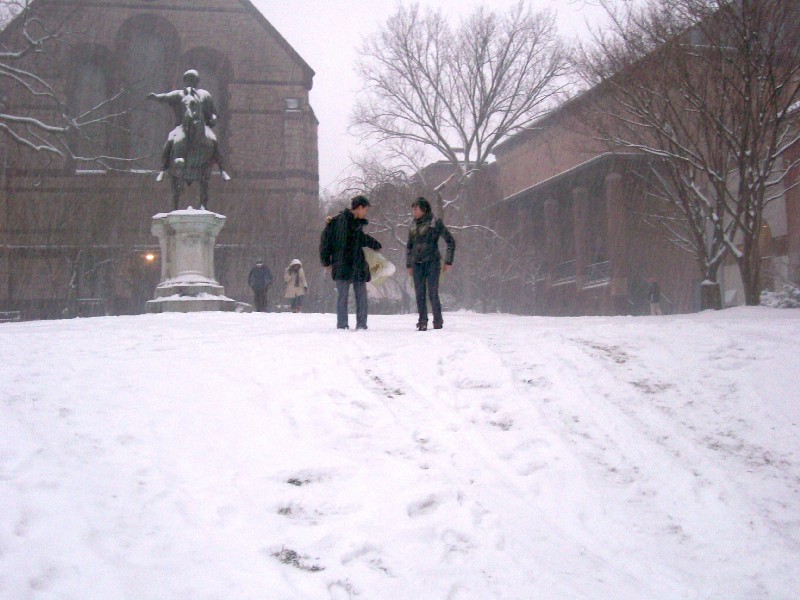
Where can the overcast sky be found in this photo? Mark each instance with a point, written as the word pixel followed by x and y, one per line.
pixel 326 34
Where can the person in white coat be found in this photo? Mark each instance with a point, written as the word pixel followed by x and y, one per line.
pixel 296 285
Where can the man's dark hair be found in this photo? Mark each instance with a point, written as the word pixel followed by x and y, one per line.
pixel 359 201
pixel 423 204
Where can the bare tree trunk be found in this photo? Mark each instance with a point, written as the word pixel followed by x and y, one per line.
pixel 750 270
pixel 710 289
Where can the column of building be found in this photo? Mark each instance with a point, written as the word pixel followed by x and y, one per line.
pixel 516 296
pixel 5 266
pixel 580 209
pixel 551 239
pixel 616 216
pixel 793 217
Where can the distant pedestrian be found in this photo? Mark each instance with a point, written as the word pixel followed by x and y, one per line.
pixel 341 250
pixel 259 280
pixel 296 286
pixel 654 295
pixel 423 260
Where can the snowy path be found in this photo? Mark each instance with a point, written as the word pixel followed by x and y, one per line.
pixel 251 456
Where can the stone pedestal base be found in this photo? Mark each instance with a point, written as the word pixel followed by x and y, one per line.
pixel 187 283
pixel 204 302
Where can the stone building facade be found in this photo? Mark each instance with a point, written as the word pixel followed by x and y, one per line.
pixel 74 237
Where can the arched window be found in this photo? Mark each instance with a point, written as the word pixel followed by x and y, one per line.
pixel 90 92
pixel 148 48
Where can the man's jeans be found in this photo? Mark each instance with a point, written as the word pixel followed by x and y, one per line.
pixel 426 275
pixel 342 293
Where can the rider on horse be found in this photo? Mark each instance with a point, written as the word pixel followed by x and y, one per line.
pixel 191 79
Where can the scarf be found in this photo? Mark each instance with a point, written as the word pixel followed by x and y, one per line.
pixel 421 226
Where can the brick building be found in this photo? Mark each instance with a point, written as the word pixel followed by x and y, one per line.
pixel 75 238
pixel 580 207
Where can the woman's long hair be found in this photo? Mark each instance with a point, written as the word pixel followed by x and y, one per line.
pixel 423 204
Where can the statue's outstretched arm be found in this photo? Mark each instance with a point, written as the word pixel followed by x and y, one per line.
pixel 169 97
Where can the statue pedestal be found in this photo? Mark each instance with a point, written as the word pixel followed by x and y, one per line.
pixel 187 283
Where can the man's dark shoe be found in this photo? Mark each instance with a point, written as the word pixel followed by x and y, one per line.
pixel 361 326
pixel 422 327
pixel 438 325
pixel 342 327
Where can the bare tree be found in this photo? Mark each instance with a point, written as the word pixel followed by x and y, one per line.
pixel 706 89
pixel 492 272
pixel 458 92
pixel 50 127
pixel 756 47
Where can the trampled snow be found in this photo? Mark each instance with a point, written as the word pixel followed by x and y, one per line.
pixel 270 456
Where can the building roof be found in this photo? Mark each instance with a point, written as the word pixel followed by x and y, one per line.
pixel 542 122
pixel 308 72
pixel 600 159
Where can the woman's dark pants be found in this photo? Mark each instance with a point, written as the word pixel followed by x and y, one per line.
pixel 426 279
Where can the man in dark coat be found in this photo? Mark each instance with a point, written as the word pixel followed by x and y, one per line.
pixel 423 260
pixel 654 295
pixel 259 281
pixel 340 249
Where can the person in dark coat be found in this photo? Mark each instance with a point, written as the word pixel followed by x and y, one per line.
pixel 423 260
pixel 340 249
pixel 654 295
pixel 259 281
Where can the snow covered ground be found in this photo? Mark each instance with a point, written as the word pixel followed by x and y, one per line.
pixel 269 456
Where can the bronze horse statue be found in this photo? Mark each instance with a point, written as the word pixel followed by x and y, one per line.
pixel 194 148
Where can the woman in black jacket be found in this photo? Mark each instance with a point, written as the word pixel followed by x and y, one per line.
pixel 423 260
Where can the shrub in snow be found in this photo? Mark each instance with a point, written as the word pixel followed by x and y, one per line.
pixel 788 297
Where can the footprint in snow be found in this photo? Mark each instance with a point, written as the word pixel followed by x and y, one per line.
pixel 504 423
pixel 489 524
pixel 226 513
pixel 44 581
pixel 457 544
pixel 530 467
pixel 369 555
pixel 423 507
pixel 340 590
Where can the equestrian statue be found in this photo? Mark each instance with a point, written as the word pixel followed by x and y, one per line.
pixel 191 146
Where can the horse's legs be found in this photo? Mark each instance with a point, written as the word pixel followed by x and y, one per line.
pixel 216 156
pixel 166 155
pixel 177 188
pixel 204 188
